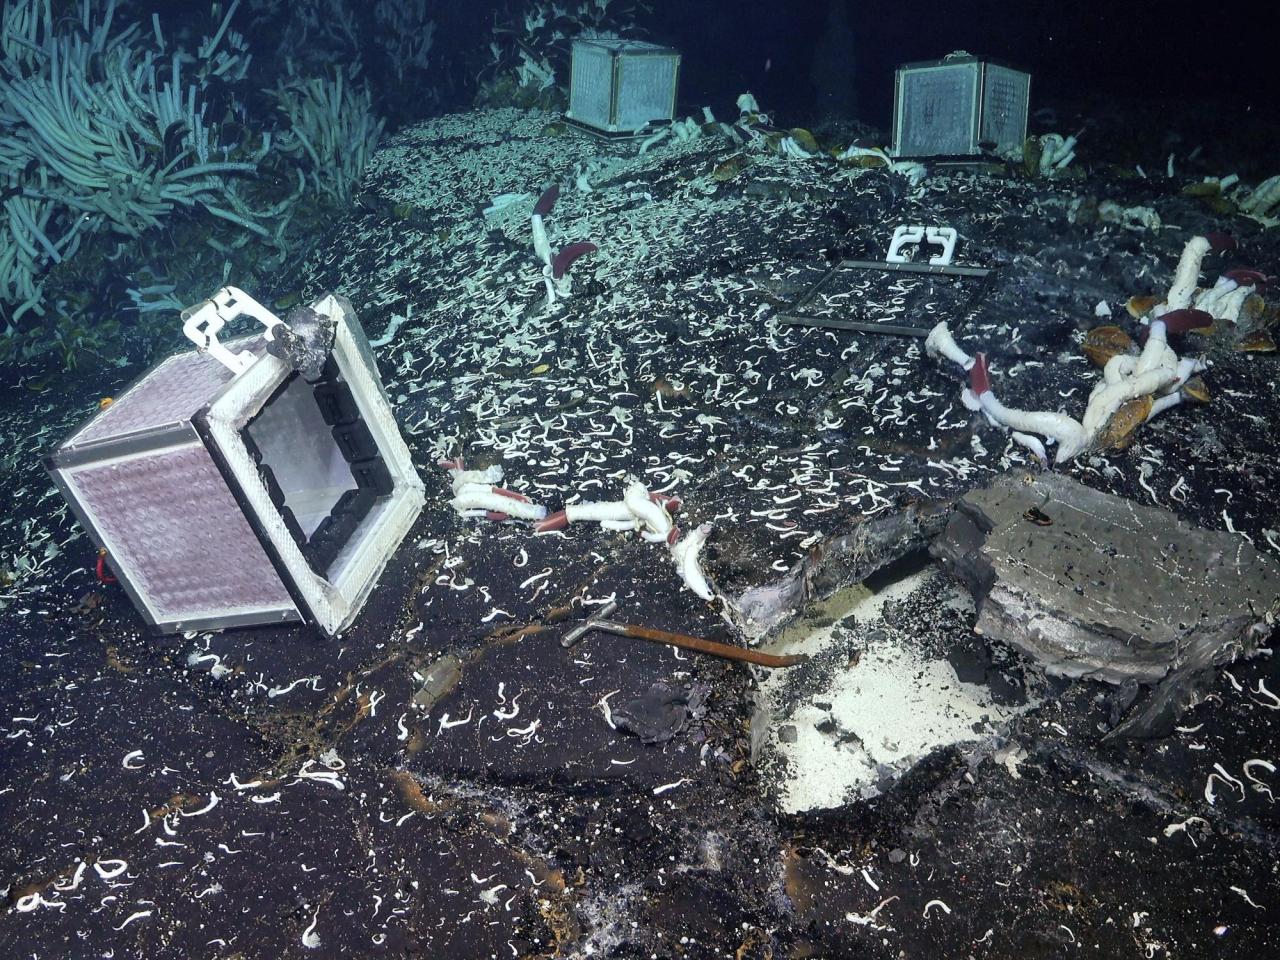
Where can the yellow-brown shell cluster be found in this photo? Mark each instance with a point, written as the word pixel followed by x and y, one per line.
pixel 1119 431
pixel 1103 343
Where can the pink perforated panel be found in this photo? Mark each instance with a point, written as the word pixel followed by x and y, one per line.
pixel 173 391
pixel 173 528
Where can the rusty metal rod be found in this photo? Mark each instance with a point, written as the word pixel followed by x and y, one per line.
pixel 713 647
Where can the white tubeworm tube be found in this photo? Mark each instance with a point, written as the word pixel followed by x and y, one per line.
pixel 110 869
pixel 631 524
pixel 1187 274
pixel 461 478
pixel 595 512
pixel 652 515
pixel 541 245
pixel 1066 431
pixel 478 498
pixel 685 554
pixel 1033 444
pixel 940 342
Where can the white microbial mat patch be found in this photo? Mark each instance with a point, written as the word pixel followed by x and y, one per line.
pixel 878 701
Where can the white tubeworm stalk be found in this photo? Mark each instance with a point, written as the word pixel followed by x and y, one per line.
pixel 656 520
pixel 1262 198
pixel 1064 430
pixel 478 497
pixel 541 245
pixel 940 342
pixel 598 511
pixel 656 138
pixel 463 478
pixel 1033 444
pixel 1187 274
pixel 685 554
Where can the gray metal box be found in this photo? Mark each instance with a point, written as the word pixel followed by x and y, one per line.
pixel 228 490
pixel 948 107
pixel 617 87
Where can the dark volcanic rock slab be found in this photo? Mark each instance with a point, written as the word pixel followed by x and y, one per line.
pixel 1093 585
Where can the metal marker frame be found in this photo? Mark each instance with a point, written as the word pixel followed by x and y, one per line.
pixel 797 318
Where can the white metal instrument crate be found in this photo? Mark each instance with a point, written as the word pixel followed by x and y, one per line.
pixel 950 107
pixel 235 484
pixel 618 87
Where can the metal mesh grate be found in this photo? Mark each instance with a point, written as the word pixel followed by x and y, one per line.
pixel 169 520
pixel 936 110
pixel 592 91
pixel 171 392
pixel 1004 107
pixel 646 90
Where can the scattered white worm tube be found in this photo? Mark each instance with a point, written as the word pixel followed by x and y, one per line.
pixel 1259 785
pixel 311 939
pixel 935 903
pixel 110 869
pixel 685 554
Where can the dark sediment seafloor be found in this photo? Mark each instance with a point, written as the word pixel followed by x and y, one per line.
pixel 442 779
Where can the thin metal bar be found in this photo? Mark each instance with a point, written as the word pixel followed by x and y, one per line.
pixel 946 270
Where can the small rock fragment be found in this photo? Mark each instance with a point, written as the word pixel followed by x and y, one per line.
pixel 660 712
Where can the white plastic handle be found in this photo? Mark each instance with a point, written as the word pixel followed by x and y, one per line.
pixel 946 238
pixel 901 237
pixel 202 323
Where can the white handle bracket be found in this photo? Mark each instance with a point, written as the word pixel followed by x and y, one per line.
pixel 202 323
pixel 944 237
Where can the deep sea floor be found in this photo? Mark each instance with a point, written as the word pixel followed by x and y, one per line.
pixel 444 779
